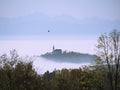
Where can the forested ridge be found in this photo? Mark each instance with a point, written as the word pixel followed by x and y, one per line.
pixel 71 56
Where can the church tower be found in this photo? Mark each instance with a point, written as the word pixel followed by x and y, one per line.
pixel 53 48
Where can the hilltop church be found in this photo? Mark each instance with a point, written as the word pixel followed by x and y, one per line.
pixel 56 51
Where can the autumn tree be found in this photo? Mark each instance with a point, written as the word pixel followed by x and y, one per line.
pixel 109 53
pixel 17 74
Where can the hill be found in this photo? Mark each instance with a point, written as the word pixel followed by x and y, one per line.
pixel 64 56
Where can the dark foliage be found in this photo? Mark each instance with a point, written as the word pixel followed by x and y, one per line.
pixel 15 74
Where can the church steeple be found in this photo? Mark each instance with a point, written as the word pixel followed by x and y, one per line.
pixel 53 48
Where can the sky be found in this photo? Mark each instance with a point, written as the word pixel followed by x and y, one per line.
pixel 74 25
pixel 65 19
pixel 79 9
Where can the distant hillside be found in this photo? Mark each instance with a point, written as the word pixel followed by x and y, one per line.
pixel 74 57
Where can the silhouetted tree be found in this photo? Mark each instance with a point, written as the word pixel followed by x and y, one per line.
pixel 16 74
pixel 109 48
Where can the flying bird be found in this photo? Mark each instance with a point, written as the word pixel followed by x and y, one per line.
pixel 48 30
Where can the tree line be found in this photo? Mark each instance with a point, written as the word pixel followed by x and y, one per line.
pixel 16 74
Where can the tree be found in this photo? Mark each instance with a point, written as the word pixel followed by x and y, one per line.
pixel 109 53
pixel 16 74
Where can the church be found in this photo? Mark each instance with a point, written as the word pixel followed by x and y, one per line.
pixel 56 51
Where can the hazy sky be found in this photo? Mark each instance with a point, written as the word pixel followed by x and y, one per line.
pixel 79 9
pixel 31 19
pixel 24 26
